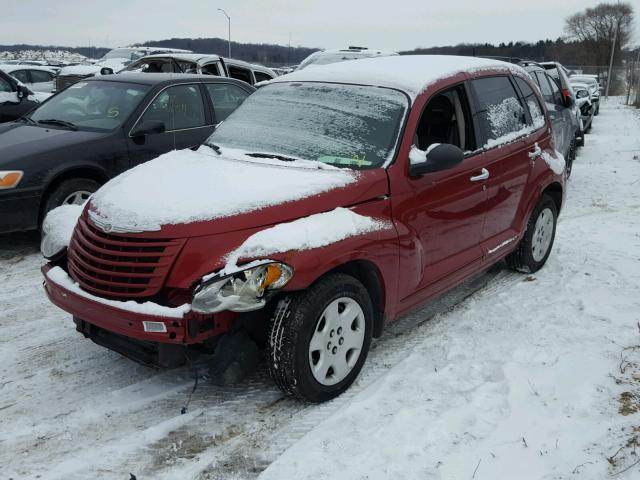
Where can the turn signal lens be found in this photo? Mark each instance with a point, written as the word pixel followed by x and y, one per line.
pixel 9 179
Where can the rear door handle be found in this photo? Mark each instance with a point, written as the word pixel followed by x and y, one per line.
pixel 535 153
pixel 484 174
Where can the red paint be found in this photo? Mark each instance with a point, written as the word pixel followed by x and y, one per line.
pixel 444 229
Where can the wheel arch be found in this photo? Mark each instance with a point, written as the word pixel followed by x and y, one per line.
pixel 92 173
pixel 556 192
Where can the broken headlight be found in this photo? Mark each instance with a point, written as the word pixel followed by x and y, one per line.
pixel 241 291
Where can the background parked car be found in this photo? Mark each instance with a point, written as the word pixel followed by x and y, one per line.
pixel 38 79
pixel 15 99
pixel 74 142
pixel 113 61
pixel 325 57
pixel 584 103
pixel 560 108
pixel 594 89
pixel 202 64
pixel 561 75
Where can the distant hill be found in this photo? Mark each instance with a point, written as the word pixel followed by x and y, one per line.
pixel 263 53
pixel 90 52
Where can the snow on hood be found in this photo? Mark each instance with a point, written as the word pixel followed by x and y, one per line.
pixel 409 73
pixel 80 70
pixel 186 186
pixel 306 233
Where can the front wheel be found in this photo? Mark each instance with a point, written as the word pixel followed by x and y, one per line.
pixel 535 246
pixel 319 338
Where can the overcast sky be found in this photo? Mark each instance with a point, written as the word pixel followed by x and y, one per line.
pixel 395 25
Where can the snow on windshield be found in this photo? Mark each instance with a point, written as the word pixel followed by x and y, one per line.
pixel 343 125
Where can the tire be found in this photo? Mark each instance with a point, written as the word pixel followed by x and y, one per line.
pixel 580 140
pixel 571 156
pixel 81 188
pixel 529 257
pixel 304 318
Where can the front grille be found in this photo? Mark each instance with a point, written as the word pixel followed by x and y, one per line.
pixel 119 266
pixel 63 81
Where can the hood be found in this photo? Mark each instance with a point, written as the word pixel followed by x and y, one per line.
pixel 20 140
pixel 228 192
pixel 80 70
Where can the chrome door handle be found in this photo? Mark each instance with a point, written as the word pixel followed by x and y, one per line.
pixel 484 174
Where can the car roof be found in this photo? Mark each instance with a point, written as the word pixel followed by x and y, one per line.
pixel 160 78
pixel 410 73
pixel 190 57
pixel 8 68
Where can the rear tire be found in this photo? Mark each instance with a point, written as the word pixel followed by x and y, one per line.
pixel 316 350
pixel 535 247
pixel 571 155
pixel 580 140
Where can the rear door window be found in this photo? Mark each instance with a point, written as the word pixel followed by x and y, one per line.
pixel 547 93
pixel 178 107
pixel 225 99
pixel 499 112
pixel 211 69
pixel 38 76
pixel 557 95
pixel 531 100
pixel 240 74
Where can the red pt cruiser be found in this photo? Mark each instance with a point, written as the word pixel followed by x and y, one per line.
pixel 332 201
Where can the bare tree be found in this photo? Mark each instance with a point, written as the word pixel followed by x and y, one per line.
pixel 596 28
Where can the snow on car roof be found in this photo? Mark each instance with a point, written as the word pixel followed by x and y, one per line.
pixel 409 73
pixel 13 67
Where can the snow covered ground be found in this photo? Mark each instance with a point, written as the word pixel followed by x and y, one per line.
pixel 508 377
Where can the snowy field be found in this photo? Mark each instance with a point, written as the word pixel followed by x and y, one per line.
pixel 508 377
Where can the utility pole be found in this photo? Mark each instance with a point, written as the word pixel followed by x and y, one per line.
pixel 229 20
pixel 613 50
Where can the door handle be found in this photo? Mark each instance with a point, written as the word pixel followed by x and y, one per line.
pixel 535 153
pixel 484 174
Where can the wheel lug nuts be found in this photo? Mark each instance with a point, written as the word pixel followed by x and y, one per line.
pixel 335 349
pixel 329 346
pixel 339 330
pixel 332 333
pixel 341 341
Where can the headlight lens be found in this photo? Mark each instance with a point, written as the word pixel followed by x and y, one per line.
pixel 242 291
pixel 10 178
pixel 582 93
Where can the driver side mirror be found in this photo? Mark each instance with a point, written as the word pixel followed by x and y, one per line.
pixel 440 156
pixel 148 127
pixel 106 71
pixel 23 91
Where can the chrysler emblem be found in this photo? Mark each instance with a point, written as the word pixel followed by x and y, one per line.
pixel 107 227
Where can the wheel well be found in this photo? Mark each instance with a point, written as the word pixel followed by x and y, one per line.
pixel 555 192
pixel 369 275
pixel 90 173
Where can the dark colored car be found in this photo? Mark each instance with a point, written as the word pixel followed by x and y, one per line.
pixel 561 111
pixel 92 131
pixel 335 199
pixel 15 99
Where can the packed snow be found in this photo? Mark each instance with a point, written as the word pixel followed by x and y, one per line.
pixel 9 97
pixel 555 161
pixel 528 377
pixel 58 276
pixel 60 222
pixel 186 186
pixel 409 73
pixel 306 233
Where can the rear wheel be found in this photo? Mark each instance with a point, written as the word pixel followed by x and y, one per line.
pixel 535 246
pixel 571 155
pixel 319 338
pixel 580 139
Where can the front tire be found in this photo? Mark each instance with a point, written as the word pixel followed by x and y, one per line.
pixel 535 247
pixel 74 191
pixel 319 338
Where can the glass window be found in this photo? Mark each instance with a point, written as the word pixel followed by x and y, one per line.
pixel 261 76
pixel 152 65
pixel 21 75
pixel 499 111
pixel 187 67
pixel 349 126
pixel 225 99
pixel 240 74
pixel 178 107
pixel 211 69
pixel 38 76
pixel 531 99
pixel 557 95
pixel 5 86
pixel 94 105
pixel 547 93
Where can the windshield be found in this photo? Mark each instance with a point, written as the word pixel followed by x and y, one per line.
pixel 96 106
pixel 128 53
pixel 587 80
pixel 343 125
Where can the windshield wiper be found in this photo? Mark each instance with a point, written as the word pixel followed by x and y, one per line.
pixel 284 158
pixel 62 123
pixel 214 147
pixel 29 120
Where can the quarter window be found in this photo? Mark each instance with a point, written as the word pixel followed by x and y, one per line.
pixel 38 76
pixel 178 107
pixel 240 74
pixel 211 69
pixel 225 99
pixel 499 111
pixel 261 77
